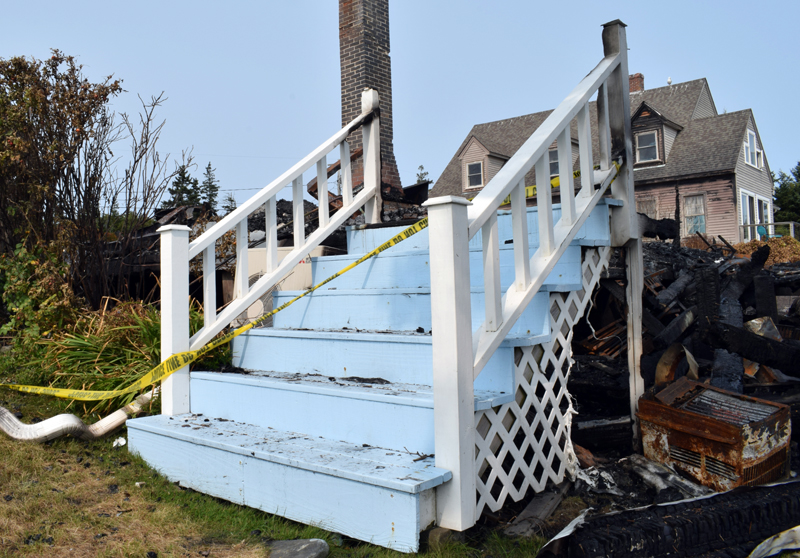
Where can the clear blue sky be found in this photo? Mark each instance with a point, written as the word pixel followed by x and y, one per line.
pixel 254 86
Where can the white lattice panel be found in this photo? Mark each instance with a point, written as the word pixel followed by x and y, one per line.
pixel 524 443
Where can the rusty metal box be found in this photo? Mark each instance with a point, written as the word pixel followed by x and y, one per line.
pixel 719 438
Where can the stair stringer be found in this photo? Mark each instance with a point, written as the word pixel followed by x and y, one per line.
pixel 525 443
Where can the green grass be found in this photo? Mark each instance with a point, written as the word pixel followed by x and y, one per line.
pixel 98 511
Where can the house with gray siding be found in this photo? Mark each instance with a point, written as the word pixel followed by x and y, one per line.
pixel 704 169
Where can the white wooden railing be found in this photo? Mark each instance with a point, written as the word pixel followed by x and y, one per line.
pixel 176 251
pixel 459 354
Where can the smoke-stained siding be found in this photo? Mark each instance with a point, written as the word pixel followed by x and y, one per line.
pixel 720 209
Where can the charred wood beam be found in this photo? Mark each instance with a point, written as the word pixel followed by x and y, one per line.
pixel 675 328
pixel 753 347
pixel 650 322
pixel 766 304
pixel 668 295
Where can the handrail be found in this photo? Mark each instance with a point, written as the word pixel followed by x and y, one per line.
pixel 754 228
pixel 459 352
pixel 251 205
pixel 176 251
pixel 504 309
pixel 538 144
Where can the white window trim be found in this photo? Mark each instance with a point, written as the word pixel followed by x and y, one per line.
pixel 657 158
pixel 549 162
pixel 759 153
pixel 748 234
pixel 466 176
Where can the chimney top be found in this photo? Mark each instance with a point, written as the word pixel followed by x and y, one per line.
pixel 636 82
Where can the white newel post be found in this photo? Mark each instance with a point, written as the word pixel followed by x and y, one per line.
pixel 453 400
pixel 624 220
pixel 371 139
pixel 175 314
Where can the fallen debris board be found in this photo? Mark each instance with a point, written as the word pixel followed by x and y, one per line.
pixel 529 522
pixel 737 520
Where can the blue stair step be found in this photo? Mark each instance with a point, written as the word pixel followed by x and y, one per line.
pixel 594 232
pixel 389 310
pixel 394 357
pixel 368 493
pixel 410 269
pixel 366 410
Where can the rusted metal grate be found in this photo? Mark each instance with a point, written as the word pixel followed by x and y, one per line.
pixel 721 439
pixel 727 408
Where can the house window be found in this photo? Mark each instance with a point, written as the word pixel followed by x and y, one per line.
pixel 755 211
pixel 646 147
pixel 694 214
pixel 752 154
pixel 553 155
pixel 475 175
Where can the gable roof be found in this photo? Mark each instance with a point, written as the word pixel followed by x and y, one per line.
pixel 703 146
pixel 676 102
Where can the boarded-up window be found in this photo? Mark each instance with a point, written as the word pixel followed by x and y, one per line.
pixel 695 215
pixel 648 207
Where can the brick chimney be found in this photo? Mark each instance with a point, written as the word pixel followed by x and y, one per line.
pixel 365 63
pixel 636 82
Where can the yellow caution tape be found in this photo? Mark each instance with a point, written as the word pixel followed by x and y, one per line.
pixel 179 360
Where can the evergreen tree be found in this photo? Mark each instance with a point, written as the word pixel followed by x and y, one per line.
pixel 787 195
pixel 209 188
pixel 228 204
pixel 185 190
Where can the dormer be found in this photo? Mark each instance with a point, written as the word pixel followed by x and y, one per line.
pixel 653 136
pixel 478 165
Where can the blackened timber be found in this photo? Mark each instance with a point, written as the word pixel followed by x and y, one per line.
pixel 672 292
pixel 675 328
pixel 650 322
pixel 763 350
pixel 766 304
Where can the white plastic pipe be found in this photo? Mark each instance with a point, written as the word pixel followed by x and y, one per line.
pixel 61 425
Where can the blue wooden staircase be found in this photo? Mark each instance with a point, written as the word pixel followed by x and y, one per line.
pixel 428 383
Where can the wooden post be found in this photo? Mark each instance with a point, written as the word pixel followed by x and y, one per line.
pixel 624 221
pixel 372 155
pixel 453 399
pixel 175 315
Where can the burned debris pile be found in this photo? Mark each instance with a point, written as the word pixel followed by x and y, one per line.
pixel 721 335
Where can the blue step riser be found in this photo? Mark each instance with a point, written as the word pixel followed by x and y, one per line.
pixel 386 517
pixel 384 310
pixel 360 421
pixel 411 270
pixel 595 232
pixel 372 356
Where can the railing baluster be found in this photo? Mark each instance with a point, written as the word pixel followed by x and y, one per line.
pixel 491 274
pixel 585 152
pixel 544 202
pixel 603 128
pixel 299 211
pixel 566 184
pixel 241 279
pixel 345 174
pixel 519 225
pixel 271 230
pixel 209 285
pixel 322 190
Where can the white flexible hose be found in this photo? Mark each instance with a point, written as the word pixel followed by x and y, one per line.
pixel 61 425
